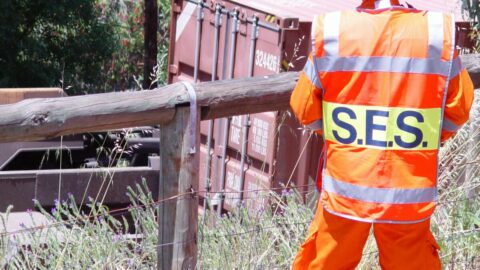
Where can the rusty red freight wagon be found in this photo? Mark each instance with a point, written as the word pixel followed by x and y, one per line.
pixel 214 40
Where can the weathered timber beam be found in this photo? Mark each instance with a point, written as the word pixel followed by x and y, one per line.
pixel 250 95
pixel 36 119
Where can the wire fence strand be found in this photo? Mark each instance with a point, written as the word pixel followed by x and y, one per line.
pixel 192 195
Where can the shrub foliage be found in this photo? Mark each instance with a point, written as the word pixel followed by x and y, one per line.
pixel 45 43
pixel 83 46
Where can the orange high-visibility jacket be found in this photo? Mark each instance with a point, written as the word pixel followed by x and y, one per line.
pixel 384 88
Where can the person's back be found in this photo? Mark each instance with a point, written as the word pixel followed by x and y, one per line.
pixel 384 87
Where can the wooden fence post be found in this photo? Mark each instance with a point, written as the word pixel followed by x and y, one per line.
pixel 177 221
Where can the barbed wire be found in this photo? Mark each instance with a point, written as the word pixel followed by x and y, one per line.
pixel 463 233
pixel 256 229
pixel 276 226
pixel 258 190
pixel 114 212
pixel 449 202
pixel 89 217
pixel 192 194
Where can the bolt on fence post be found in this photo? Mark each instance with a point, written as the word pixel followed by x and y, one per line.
pixel 179 162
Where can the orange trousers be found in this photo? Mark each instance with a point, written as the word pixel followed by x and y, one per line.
pixel 337 243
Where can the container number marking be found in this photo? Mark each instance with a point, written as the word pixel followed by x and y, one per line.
pixel 267 60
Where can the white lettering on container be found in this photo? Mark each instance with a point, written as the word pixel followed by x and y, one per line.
pixel 233 184
pixel 260 136
pixel 235 129
pixel 267 61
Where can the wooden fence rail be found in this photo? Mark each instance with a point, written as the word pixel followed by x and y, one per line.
pixel 36 119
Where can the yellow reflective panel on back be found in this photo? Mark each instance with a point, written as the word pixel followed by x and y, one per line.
pixel 382 127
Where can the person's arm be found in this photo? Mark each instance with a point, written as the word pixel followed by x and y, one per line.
pixel 458 102
pixel 306 99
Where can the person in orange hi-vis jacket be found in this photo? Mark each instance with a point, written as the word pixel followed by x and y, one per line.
pixel 385 87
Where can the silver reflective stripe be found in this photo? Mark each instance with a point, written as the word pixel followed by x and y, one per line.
pixel 316 125
pixel 384 64
pixel 331 32
pixel 450 126
pixel 456 68
pixel 435 35
pixel 379 195
pixel 374 220
pixel 312 75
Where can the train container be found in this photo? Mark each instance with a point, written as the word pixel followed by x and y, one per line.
pixel 214 40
